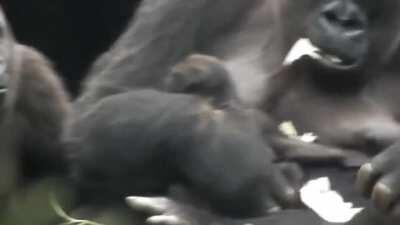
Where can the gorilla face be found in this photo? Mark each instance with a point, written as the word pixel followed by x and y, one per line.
pixel 350 34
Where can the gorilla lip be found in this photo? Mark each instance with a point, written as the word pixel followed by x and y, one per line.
pixel 304 47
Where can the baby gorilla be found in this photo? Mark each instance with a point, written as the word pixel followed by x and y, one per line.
pixel 203 139
pixel 234 176
pixel 204 76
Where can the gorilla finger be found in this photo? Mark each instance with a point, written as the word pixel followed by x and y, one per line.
pixel 366 178
pixel 166 220
pixel 371 172
pixel 282 191
pixel 293 173
pixel 386 192
pixel 271 205
pixel 151 205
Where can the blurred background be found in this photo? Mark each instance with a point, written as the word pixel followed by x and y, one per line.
pixel 85 29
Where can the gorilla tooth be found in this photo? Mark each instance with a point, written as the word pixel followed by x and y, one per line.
pixel 334 59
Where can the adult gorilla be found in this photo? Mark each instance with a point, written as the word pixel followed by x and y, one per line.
pixel 343 91
pixel 251 38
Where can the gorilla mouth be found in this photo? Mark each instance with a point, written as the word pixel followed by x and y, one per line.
pixel 304 47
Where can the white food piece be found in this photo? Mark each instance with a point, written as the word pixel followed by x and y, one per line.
pixel 288 129
pixel 308 137
pixel 327 203
pixel 302 47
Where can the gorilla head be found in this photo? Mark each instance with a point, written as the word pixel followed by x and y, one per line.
pixel 349 34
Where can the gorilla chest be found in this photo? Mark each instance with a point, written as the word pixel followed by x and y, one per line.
pixel 351 121
pixel 249 52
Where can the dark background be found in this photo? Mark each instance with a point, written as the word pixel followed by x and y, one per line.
pixel 70 32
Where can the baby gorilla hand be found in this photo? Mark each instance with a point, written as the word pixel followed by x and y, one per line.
pixel 203 76
pixel 380 180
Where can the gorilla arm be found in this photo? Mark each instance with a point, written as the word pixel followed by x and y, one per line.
pixel 40 114
pixel 161 35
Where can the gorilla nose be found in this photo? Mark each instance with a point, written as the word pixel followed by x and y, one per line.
pixel 344 16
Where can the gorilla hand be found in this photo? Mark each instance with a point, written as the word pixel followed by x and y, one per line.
pixel 380 179
pixel 161 210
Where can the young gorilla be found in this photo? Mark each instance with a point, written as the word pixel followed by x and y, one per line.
pixel 33 114
pixel 167 160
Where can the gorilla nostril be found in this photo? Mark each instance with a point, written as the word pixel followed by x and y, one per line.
pixel 345 23
pixel 330 16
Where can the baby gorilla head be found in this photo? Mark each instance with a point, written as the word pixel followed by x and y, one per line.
pixel 203 76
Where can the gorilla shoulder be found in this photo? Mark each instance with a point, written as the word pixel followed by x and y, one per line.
pixel 41 108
